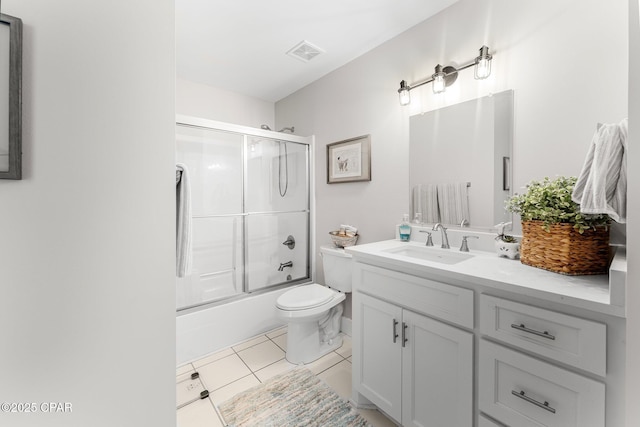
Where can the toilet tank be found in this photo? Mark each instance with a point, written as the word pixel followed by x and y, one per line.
pixel 336 264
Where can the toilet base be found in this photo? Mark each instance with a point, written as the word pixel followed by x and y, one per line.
pixel 303 343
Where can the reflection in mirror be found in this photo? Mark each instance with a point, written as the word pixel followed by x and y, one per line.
pixel 10 97
pixel 460 162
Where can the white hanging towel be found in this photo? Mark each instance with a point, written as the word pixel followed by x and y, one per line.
pixel 453 202
pixel 424 200
pixel 183 221
pixel 601 187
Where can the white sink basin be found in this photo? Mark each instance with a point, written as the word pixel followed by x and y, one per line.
pixel 443 256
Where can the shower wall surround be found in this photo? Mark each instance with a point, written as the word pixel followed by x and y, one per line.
pixel 250 191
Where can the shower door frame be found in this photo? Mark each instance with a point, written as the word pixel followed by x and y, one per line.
pixel 246 131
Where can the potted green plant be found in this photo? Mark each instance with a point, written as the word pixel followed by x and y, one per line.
pixel 556 236
pixel 506 245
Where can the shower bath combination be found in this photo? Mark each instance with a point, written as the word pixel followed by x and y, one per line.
pixel 250 196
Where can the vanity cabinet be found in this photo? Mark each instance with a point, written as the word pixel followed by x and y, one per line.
pixel 572 340
pixel 518 389
pixel 380 360
pixel 486 422
pixel 416 369
pixel 484 342
pixel 522 391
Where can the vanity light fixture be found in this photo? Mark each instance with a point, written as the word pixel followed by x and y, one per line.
pixel 444 77
pixel 403 93
pixel 482 69
pixel 438 80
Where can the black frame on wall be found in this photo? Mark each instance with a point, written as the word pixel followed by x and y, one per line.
pixel 15 97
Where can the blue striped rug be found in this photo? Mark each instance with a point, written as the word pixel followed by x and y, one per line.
pixel 295 398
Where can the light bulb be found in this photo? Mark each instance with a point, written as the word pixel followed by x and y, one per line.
pixel 403 94
pixel 482 70
pixel 438 80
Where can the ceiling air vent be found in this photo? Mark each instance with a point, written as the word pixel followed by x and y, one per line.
pixel 305 51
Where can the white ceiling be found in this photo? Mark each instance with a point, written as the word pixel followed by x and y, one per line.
pixel 241 45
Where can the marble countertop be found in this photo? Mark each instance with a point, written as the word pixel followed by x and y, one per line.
pixel 600 293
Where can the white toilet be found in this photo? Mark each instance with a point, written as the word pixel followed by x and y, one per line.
pixel 313 312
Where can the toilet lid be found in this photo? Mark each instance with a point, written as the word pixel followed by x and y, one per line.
pixel 302 297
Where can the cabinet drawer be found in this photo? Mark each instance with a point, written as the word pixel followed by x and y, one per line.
pixel 577 342
pixel 522 391
pixel 486 422
pixel 435 299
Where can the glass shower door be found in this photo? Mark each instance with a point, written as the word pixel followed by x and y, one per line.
pixel 250 193
pixel 277 206
pixel 214 160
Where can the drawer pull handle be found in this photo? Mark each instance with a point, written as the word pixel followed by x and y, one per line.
pixel 544 405
pixel 523 328
pixel 395 333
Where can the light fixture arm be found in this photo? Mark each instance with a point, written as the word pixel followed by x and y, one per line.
pixel 424 82
pixel 450 73
pixel 469 65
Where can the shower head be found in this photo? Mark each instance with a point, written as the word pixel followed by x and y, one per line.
pixel 265 127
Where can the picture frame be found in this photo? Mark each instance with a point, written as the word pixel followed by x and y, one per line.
pixel 10 97
pixel 349 160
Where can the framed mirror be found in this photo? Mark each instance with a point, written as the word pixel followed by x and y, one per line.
pixel 10 97
pixel 460 162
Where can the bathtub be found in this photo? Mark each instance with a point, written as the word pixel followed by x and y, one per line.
pixel 211 328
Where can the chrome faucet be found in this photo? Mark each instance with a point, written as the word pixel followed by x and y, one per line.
pixel 443 231
pixel 284 265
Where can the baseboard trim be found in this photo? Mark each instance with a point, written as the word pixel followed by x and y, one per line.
pixel 346 326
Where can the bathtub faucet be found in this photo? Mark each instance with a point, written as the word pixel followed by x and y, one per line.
pixel 283 265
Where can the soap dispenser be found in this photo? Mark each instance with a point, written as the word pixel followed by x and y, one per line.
pixel 405 228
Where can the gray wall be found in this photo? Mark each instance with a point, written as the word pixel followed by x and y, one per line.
pixel 86 238
pixel 539 50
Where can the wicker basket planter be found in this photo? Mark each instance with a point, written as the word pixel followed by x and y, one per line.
pixel 563 250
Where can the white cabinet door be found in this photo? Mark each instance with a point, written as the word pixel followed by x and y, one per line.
pixel 437 378
pixel 378 370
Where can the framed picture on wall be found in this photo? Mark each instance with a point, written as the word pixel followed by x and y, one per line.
pixel 349 160
pixel 10 97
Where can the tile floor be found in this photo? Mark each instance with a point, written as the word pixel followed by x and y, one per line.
pixel 233 370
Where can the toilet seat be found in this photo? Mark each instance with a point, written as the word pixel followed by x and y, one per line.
pixel 305 297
